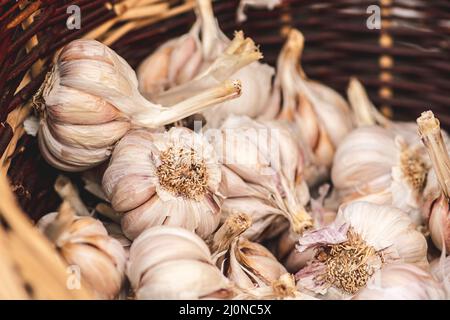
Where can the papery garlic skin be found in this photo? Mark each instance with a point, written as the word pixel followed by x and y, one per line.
pixel 174 263
pixel 165 179
pixel 263 163
pixel 90 100
pixel 85 244
pixel 402 282
pixel 186 57
pixel 383 233
pixel 320 115
pixel 373 164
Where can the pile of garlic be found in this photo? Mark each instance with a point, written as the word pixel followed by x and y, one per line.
pixel 286 192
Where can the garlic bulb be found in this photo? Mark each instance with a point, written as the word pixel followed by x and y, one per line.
pixel 90 100
pixel 363 239
pixel 170 178
pixel 401 282
pixel 439 213
pixel 262 176
pixel 248 264
pixel 373 164
pixel 320 115
pixel 269 4
pixel 174 263
pixel 85 244
pixel 185 58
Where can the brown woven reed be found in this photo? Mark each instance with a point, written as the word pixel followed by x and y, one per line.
pixel 405 65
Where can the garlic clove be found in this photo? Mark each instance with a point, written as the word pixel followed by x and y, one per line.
pixel 159 63
pixel 73 106
pixel 90 78
pixel 320 115
pixel 74 157
pixel 132 191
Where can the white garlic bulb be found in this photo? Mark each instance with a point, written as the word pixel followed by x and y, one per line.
pixel 401 282
pixel 439 212
pixel 320 115
pixel 90 100
pixel 185 58
pixel 174 263
pixel 170 178
pixel 248 264
pixel 373 164
pixel 262 176
pixel 363 239
pixel 86 246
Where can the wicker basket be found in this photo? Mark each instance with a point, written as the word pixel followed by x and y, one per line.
pixel 405 65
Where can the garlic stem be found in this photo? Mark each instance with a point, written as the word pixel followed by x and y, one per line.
pixel 68 192
pixel 431 135
pixel 292 52
pixel 241 52
pixel 364 112
pixel 233 226
pixel 284 287
pixel 62 221
pixel 223 92
pixel 209 26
